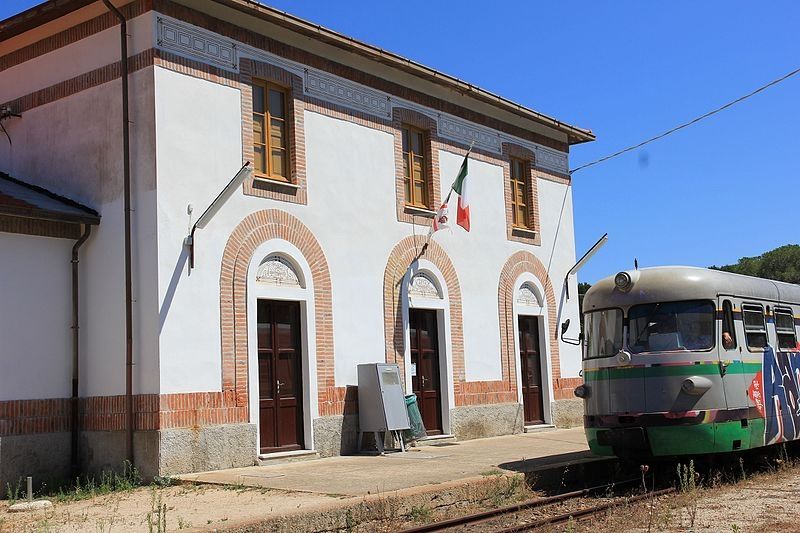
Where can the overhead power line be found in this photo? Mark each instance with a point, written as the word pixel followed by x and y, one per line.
pixel 687 124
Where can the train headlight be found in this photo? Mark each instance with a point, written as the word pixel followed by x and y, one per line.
pixel 581 391
pixel 623 281
pixel 696 385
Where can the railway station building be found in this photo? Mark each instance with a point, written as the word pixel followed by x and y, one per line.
pixel 240 339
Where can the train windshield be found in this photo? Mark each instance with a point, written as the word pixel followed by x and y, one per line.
pixel 672 326
pixel 603 333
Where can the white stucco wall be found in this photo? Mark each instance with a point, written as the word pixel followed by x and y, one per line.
pixel 82 134
pixel 351 211
pixel 36 311
pixel 77 58
pixel 186 145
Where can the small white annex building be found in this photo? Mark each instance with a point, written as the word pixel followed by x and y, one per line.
pixel 247 342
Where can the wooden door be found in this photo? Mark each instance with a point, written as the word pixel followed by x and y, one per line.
pixel 426 384
pixel 531 369
pixel 280 376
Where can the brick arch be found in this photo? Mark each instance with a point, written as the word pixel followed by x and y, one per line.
pixel 251 232
pixel 516 265
pixel 400 259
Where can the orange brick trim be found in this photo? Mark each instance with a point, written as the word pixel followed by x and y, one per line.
pixel 196 69
pixel 25 417
pixel 73 34
pixel 517 264
pixel 563 387
pixel 80 83
pixel 42 228
pixel 255 229
pixel 402 116
pixel 199 409
pixel 296 191
pixel 486 392
pixel 345 113
pixel 334 401
pixel 532 236
pixel 273 46
pixel 400 259
pixel 107 413
pixel 139 7
pixel 551 175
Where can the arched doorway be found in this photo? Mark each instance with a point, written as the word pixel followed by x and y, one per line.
pixel 274 272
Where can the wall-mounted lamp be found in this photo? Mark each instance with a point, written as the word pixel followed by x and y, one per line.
pixel 564 328
pixel 582 261
pixel 245 172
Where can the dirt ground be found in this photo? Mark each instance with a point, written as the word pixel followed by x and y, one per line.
pixel 182 507
pixel 761 503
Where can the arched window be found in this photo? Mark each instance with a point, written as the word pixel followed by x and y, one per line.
pixel 278 270
pixel 528 295
pixel 423 285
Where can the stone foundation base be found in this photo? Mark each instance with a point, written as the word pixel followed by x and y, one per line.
pixel 474 422
pixel 568 413
pixel 45 456
pixel 336 435
pixel 104 451
pixel 209 448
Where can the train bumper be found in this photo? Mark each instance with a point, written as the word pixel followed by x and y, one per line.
pixel 671 440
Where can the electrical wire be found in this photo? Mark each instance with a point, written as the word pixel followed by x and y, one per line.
pixel 687 124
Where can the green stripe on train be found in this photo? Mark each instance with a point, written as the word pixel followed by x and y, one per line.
pixel 631 372
pixel 694 439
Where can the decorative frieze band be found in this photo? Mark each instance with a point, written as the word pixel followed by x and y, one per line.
pixel 200 44
pixel 189 40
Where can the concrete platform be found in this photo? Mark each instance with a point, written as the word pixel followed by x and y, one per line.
pixel 361 475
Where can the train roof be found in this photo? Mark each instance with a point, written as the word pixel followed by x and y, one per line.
pixel 673 283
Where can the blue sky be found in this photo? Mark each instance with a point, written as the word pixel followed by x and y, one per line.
pixel 725 188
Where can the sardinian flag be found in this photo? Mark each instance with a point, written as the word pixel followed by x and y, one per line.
pixel 441 220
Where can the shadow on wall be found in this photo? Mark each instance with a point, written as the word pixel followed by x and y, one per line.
pixel 172 287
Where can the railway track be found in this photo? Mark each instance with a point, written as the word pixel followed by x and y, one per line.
pixel 540 512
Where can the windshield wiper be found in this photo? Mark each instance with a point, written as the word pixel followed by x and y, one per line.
pixel 647 327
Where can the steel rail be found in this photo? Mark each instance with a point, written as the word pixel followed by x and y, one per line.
pixel 529 504
pixel 584 513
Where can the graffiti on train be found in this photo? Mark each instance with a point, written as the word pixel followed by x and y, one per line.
pixel 776 393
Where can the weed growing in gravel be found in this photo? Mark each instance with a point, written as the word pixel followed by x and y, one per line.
pixel 420 513
pixel 157 517
pixel 110 482
pixel 508 488
pixel 14 492
pixel 687 480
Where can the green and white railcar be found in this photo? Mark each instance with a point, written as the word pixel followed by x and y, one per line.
pixel 683 360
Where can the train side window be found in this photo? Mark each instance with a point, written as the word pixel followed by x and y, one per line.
pixel 728 330
pixel 784 326
pixel 755 327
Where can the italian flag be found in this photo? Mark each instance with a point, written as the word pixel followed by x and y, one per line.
pixel 460 187
pixel 441 219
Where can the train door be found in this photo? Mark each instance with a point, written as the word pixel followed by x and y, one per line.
pixel 733 367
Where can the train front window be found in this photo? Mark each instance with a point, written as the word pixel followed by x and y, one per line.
pixel 603 333
pixel 671 326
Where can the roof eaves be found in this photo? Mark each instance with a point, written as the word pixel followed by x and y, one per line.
pixel 38 15
pixel 575 134
pixel 91 216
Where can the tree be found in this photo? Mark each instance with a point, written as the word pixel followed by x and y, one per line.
pixel 780 264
